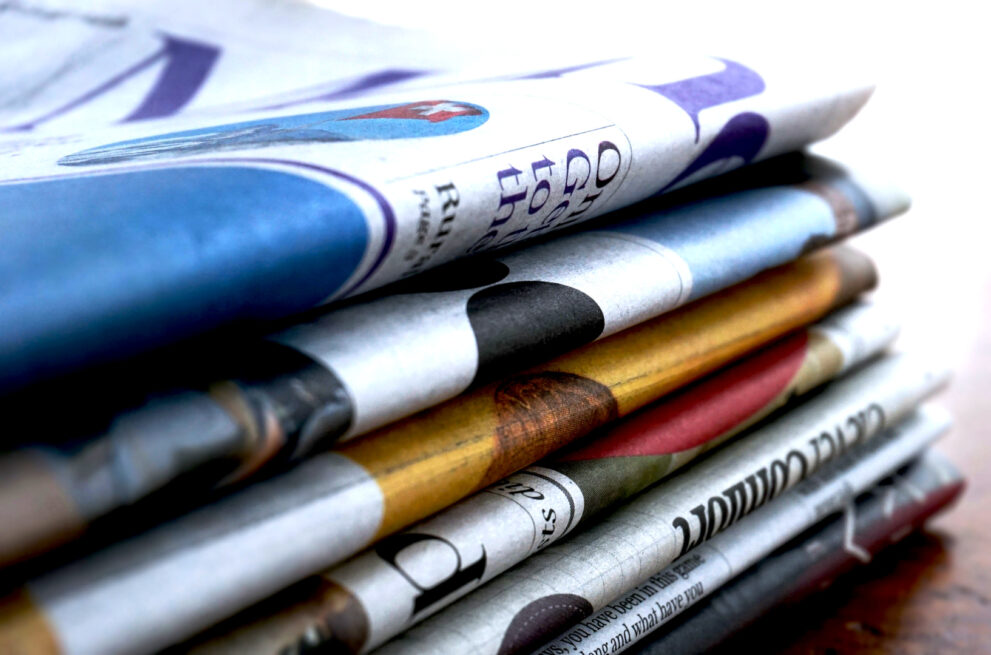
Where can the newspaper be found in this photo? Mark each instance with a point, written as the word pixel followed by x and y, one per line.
pixel 693 577
pixel 360 367
pixel 69 67
pixel 805 566
pixel 411 575
pixel 809 289
pixel 166 585
pixel 157 230
pixel 526 606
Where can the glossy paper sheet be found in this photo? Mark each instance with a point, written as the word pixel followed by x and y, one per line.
pixel 157 230
pixel 534 602
pixel 415 573
pixel 176 580
pixel 798 569
pixel 360 367
pixel 865 526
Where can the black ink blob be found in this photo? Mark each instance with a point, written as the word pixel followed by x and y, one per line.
pixel 542 619
pixel 520 323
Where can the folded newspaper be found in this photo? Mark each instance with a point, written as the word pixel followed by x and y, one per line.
pixel 70 67
pixel 182 577
pixel 534 602
pixel 357 368
pixel 413 574
pixel 43 508
pixel 927 486
pixel 408 576
pixel 157 230
pixel 802 567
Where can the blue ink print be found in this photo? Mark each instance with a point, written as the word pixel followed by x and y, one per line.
pixel 412 120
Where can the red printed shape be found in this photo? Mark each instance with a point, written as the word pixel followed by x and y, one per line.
pixel 704 410
pixel 434 111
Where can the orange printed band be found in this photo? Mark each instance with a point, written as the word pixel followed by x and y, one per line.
pixel 434 458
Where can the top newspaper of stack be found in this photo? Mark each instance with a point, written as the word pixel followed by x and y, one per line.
pixel 156 230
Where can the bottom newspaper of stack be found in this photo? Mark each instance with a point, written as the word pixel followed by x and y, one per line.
pixel 888 512
pixel 891 511
pixel 855 430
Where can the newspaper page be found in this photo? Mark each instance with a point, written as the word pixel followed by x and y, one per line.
pixel 524 607
pixel 174 581
pixel 360 367
pixel 801 568
pixel 69 67
pixel 413 574
pixel 667 594
pixel 493 430
pixel 163 229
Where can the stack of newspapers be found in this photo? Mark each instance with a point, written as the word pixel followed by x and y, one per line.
pixel 306 356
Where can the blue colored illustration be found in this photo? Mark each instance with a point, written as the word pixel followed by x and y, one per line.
pixel 425 118
pixel 121 263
